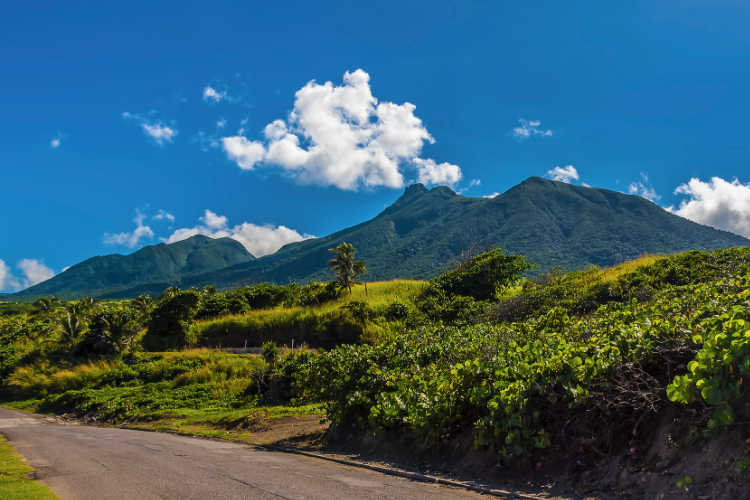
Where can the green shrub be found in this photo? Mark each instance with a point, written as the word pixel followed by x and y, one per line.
pixel 481 277
pixel 396 311
pixel 316 293
pixel 715 376
pixel 170 321
pixel 270 352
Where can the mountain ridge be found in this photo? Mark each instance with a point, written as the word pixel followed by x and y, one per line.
pixel 555 224
pixel 164 262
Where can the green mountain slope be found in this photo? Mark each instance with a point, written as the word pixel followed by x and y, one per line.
pixel 556 225
pixel 163 263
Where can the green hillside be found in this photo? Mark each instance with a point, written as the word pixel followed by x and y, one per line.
pixel 556 225
pixel 163 263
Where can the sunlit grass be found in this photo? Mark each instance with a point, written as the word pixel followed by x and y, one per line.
pixel 610 274
pixel 285 324
pixel 15 477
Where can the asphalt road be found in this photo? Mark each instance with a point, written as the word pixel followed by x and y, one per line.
pixel 84 462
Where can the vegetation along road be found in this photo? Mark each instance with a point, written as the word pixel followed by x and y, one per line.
pixel 82 462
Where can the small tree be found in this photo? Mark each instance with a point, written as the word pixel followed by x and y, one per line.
pixel 346 268
pixel 73 322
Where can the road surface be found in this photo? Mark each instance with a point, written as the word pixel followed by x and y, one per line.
pixel 84 462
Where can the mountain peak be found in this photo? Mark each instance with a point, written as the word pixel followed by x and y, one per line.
pixel 443 190
pixel 414 190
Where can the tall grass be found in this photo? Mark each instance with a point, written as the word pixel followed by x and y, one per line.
pixel 326 325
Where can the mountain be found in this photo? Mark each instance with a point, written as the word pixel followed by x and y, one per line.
pixel 165 264
pixel 556 225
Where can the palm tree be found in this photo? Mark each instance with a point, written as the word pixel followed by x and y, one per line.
pixel 73 323
pixel 346 268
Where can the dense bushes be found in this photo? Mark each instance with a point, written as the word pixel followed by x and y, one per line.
pixel 461 294
pixel 170 320
pixel 482 276
pixel 545 382
pixel 318 329
pixel 516 385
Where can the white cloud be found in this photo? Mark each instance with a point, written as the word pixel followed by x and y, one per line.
pixel 567 174
pixel 55 143
pixel 163 215
pixel 7 280
pixel 644 189
pixel 159 132
pixel 246 154
pixel 530 128
pixel 155 129
pixel 259 240
pixel 491 195
pixel 342 136
pixel 34 272
pixel 719 203
pixel 131 239
pixel 210 94
pixel 433 173
pixel 221 123
pixel 474 183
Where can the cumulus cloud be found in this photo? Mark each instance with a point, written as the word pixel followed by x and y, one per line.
pixel 567 174
pixel 131 239
pixel 341 135
pixel 530 128
pixel 491 195
pixel 221 123
pixel 433 173
pixel 718 203
pixel 259 240
pixel 644 189
pixel 155 129
pixel 246 154
pixel 7 280
pixel 55 143
pixel 34 272
pixel 210 94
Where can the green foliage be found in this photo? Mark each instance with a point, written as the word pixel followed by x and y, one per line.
pixel 346 269
pixel 318 329
pixel 170 321
pixel 15 473
pixel 483 276
pixel 715 376
pixel 518 386
pixel 270 352
pixel 316 293
pixel 112 329
pixel 142 383
pixel 558 355
pixel 396 311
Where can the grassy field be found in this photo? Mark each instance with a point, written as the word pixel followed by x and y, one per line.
pixel 325 325
pixel 195 392
pixel 15 482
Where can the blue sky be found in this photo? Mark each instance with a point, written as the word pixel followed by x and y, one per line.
pixel 125 125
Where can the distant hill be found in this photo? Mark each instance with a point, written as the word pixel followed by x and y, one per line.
pixel 165 264
pixel 556 225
